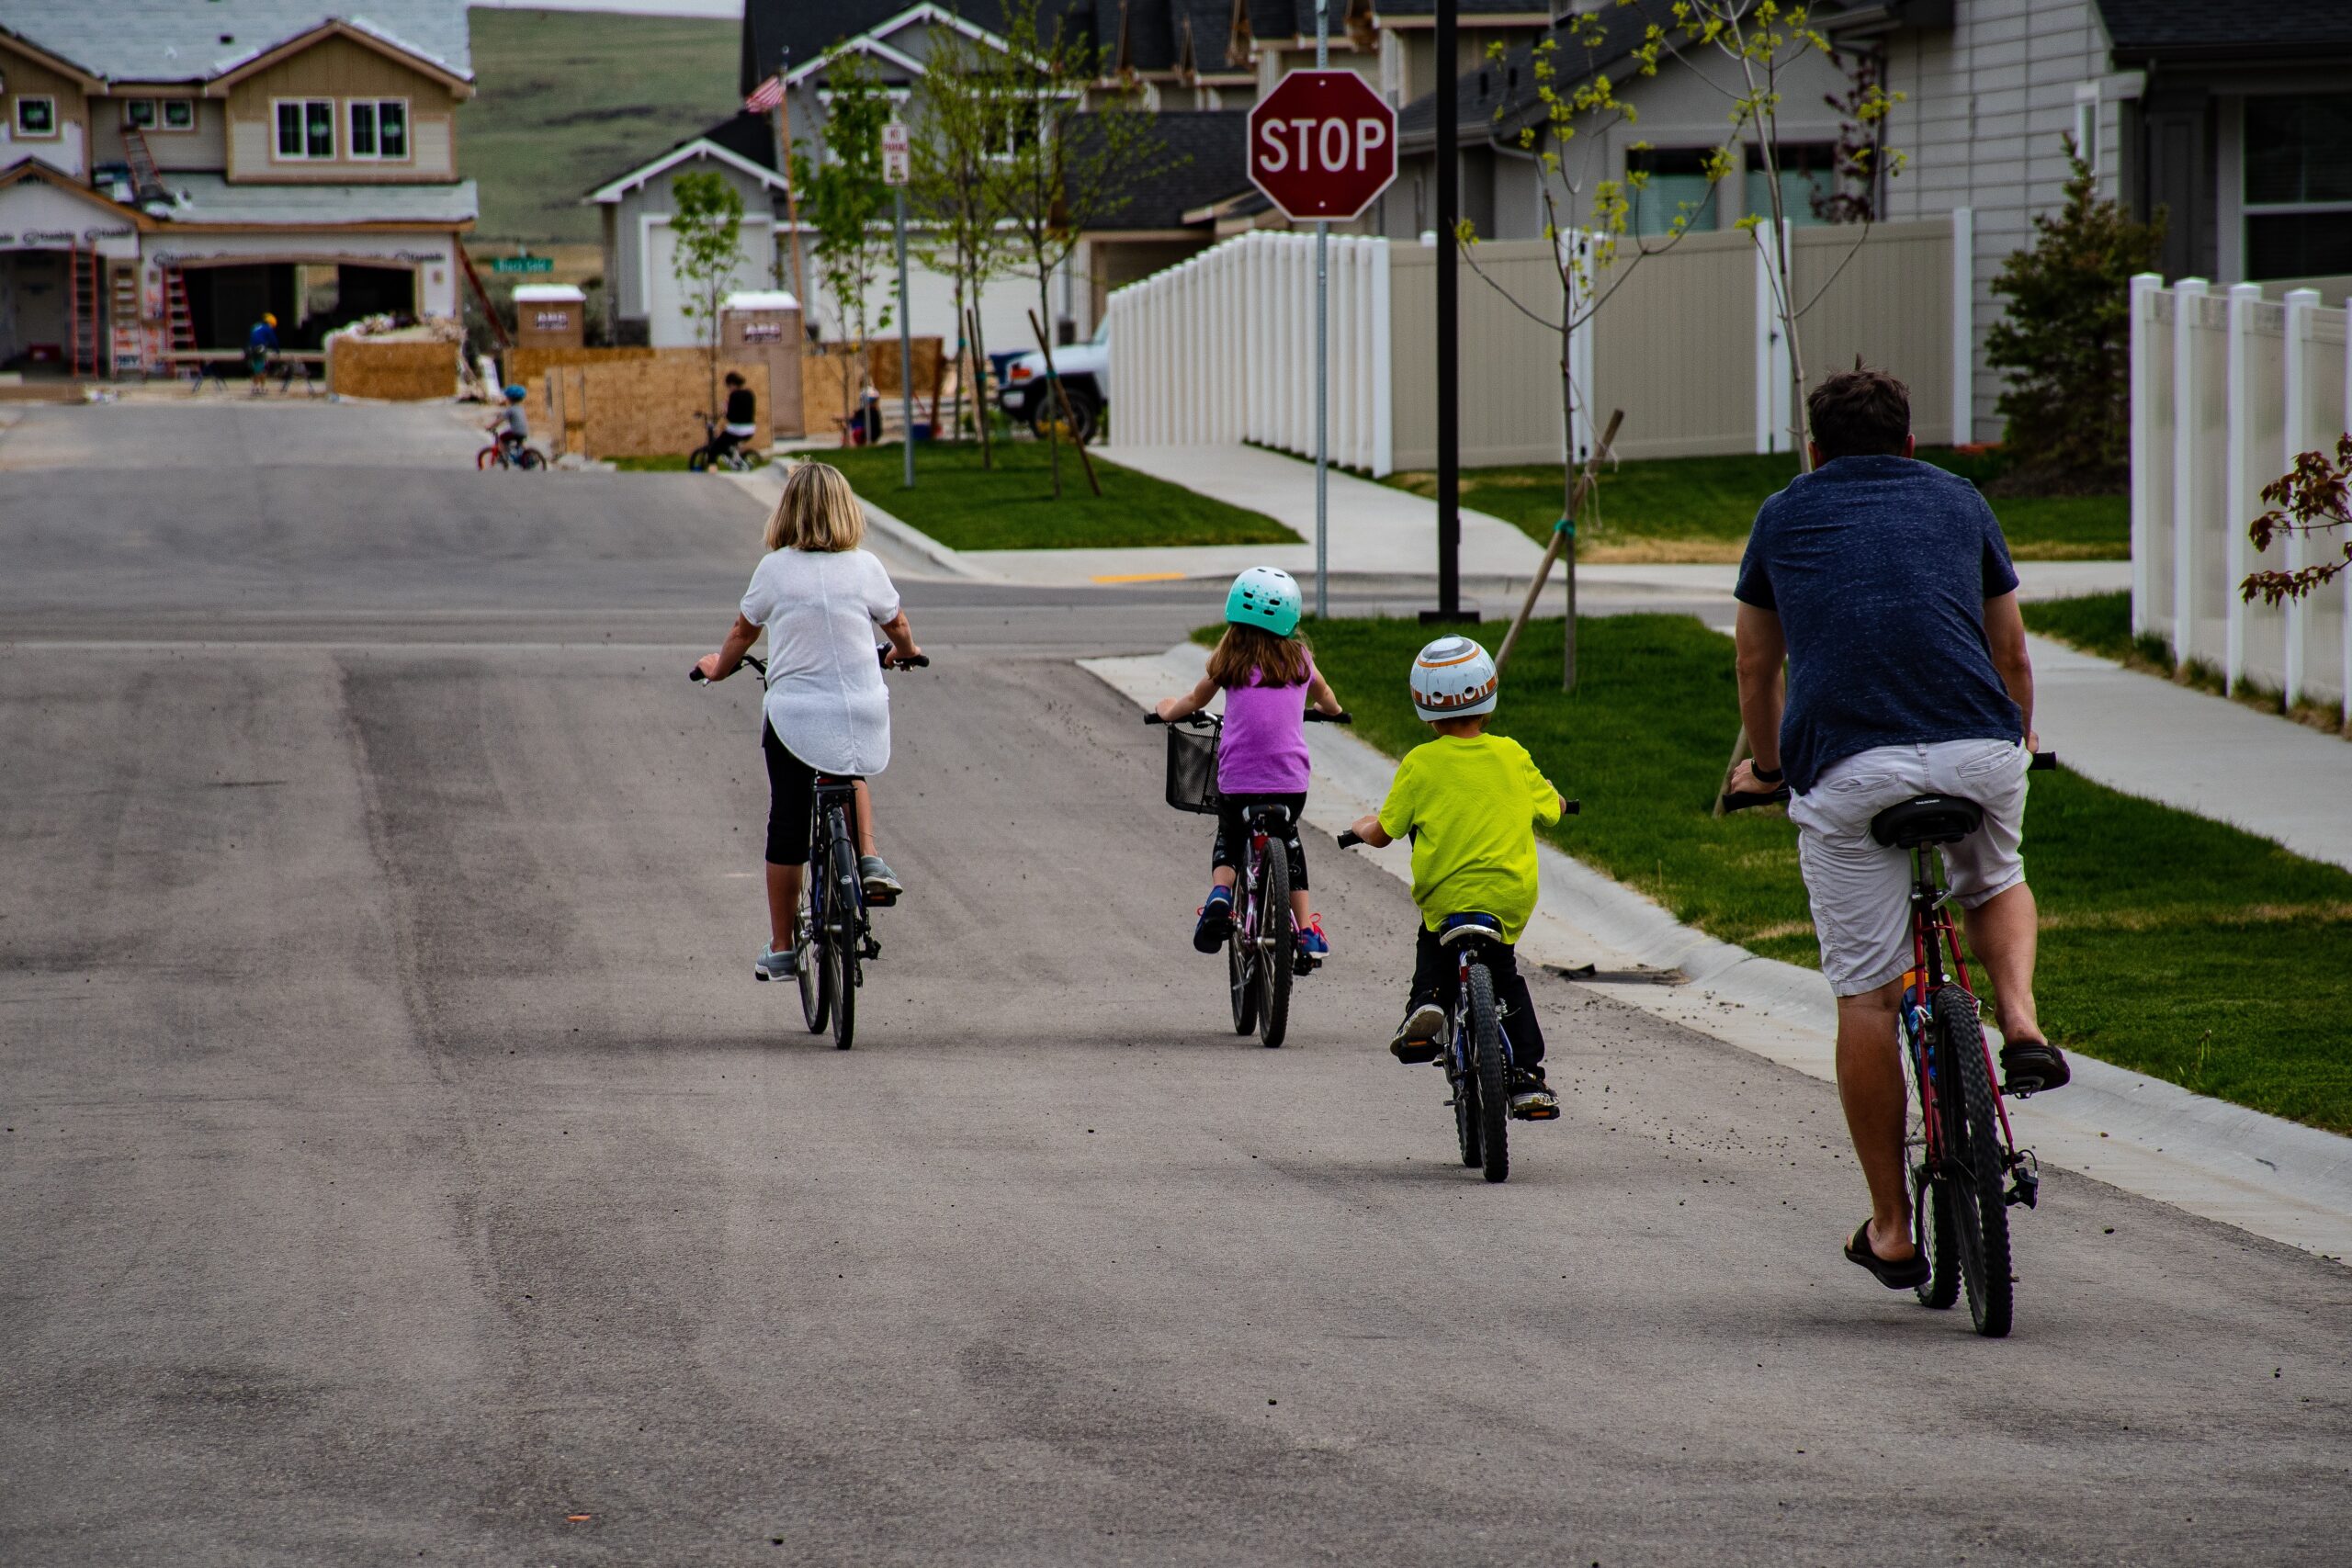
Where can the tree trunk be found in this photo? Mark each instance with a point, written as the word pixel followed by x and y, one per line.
pixel 1570 491
pixel 1053 425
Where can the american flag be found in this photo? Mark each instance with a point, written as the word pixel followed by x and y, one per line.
pixel 768 95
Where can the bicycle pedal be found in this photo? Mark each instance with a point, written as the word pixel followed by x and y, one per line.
pixel 881 900
pixel 873 948
pixel 1537 1114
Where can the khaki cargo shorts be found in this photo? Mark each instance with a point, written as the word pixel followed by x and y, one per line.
pixel 1861 891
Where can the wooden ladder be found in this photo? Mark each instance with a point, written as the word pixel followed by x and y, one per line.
pixel 82 351
pixel 179 323
pixel 123 316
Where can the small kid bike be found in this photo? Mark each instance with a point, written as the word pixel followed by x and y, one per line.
pixel 1478 1058
pixel 1960 1158
pixel 1261 954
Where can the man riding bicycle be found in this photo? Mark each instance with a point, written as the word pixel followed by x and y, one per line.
pixel 1887 587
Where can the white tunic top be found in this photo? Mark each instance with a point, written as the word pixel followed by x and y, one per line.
pixel 826 700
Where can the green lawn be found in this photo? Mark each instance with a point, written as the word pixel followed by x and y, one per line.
pixel 1012 507
pixel 2101 624
pixel 2171 944
pixel 665 463
pixel 1699 508
pixel 569 99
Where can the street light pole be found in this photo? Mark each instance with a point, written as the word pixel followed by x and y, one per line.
pixel 1322 362
pixel 1449 366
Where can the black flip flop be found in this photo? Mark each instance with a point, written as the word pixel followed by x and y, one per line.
pixel 1907 1274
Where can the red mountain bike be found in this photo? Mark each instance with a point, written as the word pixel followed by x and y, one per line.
pixel 1960 1158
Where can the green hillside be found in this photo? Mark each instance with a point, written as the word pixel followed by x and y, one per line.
pixel 568 98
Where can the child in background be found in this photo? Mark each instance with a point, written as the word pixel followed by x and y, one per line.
pixel 1268 676
pixel 1470 802
pixel 513 429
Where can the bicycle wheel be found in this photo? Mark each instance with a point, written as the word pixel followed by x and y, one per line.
pixel 1276 945
pixel 1494 1076
pixel 1930 1210
pixel 1972 1164
pixel 1469 1119
pixel 485 459
pixel 1240 971
pixel 529 460
pixel 845 902
pixel 697 460
pixel 816 970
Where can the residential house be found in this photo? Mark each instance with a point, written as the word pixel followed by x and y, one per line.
pixel 2230 122
pixel 169 172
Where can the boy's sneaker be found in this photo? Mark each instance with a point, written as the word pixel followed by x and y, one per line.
pixel 1216 922
pixel 774 965
pixel 1416 1039
pixel 1312 944
pixel 1531 1099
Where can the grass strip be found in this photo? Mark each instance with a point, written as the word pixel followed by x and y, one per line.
pixel 1012 507
pixel 2178 946
pixel 2100 624
pixel 1700 509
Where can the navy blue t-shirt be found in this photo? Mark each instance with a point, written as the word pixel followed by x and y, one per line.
pixel 1879 569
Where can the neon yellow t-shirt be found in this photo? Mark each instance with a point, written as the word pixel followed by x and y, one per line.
pixel 1473 802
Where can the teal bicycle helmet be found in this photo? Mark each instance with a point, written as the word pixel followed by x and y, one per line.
pixel 516 394
pixel 1264 596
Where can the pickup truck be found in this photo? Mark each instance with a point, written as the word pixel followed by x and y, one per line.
pixel 1085 370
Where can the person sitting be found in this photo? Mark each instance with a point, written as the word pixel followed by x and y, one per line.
pixel 741 424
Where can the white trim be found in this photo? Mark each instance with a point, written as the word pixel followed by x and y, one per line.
pixel 351 153
pixel 2187 297
pixel 931 13
pixel 1963 326
pixel 278 153
pixel 859 45
pixel 647 222
pixel 17 118
pixel 163 117
pixel 700 147
pixel 2086 137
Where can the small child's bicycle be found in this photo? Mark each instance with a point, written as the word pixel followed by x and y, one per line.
pixel 1478 1059
pixel 1261 954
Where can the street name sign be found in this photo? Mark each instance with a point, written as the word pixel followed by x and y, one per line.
pixel 521 263
pixel 1322 145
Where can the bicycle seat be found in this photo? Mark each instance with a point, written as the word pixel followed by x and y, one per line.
pixel 1462 927
pixel 1271 817
pixel 1927 819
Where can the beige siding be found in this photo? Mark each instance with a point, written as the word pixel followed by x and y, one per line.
pixel 339 69
pixel 28 78
pixel 1674 345
pixel 1510 364
pixel 203 148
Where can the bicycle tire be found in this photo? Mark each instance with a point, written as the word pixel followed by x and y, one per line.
pixel 1275 946
pixel 1240 979
pixel 529 460
pixel 816 972
pixel 1931 1222
pixel 845 934
pixel 1494 1075
pixel 1972 1164
pixel 1467 1117
pixel 696 462
pixel 484 460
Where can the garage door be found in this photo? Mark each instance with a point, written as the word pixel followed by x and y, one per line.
pixel 666 319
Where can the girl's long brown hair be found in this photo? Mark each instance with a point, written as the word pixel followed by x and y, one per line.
pixel 1276 661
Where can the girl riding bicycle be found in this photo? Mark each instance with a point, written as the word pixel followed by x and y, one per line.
pixel 1268 676
pixel 820 599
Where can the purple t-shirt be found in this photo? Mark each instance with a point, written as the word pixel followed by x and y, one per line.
pixel 1263 750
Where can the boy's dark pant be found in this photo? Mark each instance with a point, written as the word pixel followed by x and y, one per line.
pixel 1437 976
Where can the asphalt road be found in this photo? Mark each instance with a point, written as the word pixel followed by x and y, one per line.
pixel 400 1164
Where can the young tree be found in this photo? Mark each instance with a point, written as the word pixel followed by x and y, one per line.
pixel 2067 339
pixel 841 202
pixel 960 136
pixel 1066 169
pixel 2312 499
pixel 707 225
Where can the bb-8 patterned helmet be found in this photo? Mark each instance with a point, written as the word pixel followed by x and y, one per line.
pixel 1453 678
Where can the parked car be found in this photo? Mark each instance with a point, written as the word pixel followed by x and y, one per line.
pixel 1085 370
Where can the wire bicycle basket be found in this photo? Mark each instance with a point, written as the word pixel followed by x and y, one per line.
pixel 1191 767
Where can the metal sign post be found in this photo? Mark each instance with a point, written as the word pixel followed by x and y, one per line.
pixel 896 165
pixel 1322 362
pixel 1449 367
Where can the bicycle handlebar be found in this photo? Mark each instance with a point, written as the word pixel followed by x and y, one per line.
pixel 919 661
pixel 1348 838
pixel 1741 800
pixel 1203 720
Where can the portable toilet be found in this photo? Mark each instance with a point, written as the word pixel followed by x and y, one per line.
pixel 549 315
pixel 762 325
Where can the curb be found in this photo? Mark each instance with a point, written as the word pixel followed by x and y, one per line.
pixel 766 484
pixel 2256 1172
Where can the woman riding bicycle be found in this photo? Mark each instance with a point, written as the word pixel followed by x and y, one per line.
pixel 820 599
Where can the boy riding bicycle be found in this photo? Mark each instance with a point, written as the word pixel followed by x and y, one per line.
pixel 1470 802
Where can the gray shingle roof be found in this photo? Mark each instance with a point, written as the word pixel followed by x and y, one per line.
pixel 2145 29
pixel 180 41
pixel 1501 97
pixel 211 199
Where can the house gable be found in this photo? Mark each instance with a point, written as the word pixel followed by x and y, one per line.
pixel 33 77
pixel 340 67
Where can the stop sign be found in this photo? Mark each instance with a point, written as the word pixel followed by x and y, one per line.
pixel 1322 145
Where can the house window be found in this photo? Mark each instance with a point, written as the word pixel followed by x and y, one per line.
pixel 2087 146
pixel 306 128
pixel 379 128
pixel 180 114
pixel 1676 194
pixel 2299 185
pixel 36 117
pixel 139 113
pixel 1809 179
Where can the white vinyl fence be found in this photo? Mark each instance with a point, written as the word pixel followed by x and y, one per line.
pixel 2226 390
pixel 1221 348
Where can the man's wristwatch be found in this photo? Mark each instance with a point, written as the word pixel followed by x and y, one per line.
pixel 1766 775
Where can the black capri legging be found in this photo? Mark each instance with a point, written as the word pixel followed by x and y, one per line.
pixel 1233 833
pixel 792 792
